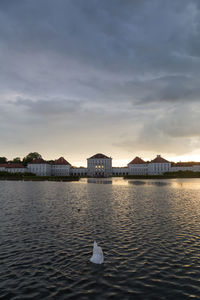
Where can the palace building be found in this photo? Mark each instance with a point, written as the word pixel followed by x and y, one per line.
pixel 60 167
pixel 157 166
pixel 99 165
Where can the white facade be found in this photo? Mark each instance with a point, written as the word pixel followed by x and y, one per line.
pixel 60 167
pixel 120 171
pixel 185 167
pixel 3 167
pixel 13 168
pixel 16 170
pixel 39 167
pixel 176 168
pixel 138 167
pixel 79 171
pixel 196 168
pixel 60 170
pixel 158 166
pixel 99 165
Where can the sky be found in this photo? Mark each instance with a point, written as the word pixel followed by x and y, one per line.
pixel 119 77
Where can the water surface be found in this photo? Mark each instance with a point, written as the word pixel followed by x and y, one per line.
pixel 149 231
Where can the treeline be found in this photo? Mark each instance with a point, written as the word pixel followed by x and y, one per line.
pixel 28 158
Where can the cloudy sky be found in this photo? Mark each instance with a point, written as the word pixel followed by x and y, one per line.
pixel 121 77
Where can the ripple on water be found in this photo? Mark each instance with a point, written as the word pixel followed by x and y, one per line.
pixel 149 234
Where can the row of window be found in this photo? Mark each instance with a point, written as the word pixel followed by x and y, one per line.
pixel 160 168
pixel 99 163
pixel 61 167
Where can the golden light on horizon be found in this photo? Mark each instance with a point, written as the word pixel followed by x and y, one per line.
pixel 124 162
pixel 120 162
pixel 185 158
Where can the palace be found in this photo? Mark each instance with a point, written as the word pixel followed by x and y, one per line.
pixel 100 165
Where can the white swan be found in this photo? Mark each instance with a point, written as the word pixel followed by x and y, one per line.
pixel 97 255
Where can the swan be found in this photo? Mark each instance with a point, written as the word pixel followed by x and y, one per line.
pixel 97 255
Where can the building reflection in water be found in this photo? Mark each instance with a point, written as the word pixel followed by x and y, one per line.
pixel 99 181
pixel 174 183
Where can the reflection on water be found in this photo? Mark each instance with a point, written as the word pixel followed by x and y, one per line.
pixel 174 183
pixel 136 182
pixel 148 229
pixel 158 183
pixel 99 180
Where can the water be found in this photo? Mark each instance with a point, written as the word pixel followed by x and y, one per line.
pixel 149 231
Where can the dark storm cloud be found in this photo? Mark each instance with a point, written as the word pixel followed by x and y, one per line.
pixel 134 38
pixel 134 62
pixel 171 131
pixel 51 107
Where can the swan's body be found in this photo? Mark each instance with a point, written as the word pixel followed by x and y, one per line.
pixel 97 255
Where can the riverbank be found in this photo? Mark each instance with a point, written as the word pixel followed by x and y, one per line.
pixel 169 175
pixel 41 178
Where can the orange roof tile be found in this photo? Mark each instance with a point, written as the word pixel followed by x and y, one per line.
pixel 185 163
pixel 99 155
pixel 14 165
pixel 159 159
pixel 61 161
pixel 182 164
pixel 137 160
pixel 3 165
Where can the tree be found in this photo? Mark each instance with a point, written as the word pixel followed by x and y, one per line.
pixel 3 160
pixel 30 157
pixel 51 161
pixel 16 160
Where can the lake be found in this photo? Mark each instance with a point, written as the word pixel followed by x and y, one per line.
pixel 149 231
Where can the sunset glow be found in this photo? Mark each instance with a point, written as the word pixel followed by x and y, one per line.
pixel 82 77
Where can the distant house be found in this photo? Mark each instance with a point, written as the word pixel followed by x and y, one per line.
pixel 60 167
pixel 138 167
pixel 196 167
pixel 185 166
pixel 13 168
pixel 99 165
pixel 158 166
pixel 39 167
pixel 175 167
pixel 16 168
pixel 3 167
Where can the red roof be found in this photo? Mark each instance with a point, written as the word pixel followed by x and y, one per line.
pixel 137 160
pixel 3 165
pixel 38 161
pixel 159 159
pixel 61 161
pixel 99 155
pixel 182 164
pixel 185 164
pixel 15 165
